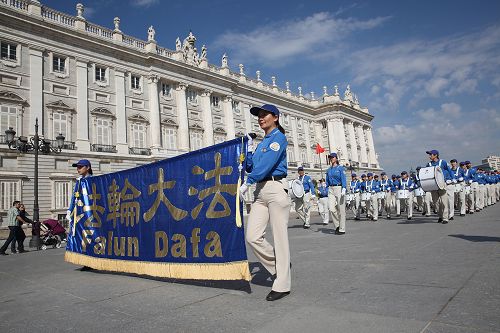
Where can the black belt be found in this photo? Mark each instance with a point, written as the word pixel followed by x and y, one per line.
pixel 272 178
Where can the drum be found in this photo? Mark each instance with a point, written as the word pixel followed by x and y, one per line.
pixel 419 192
pixel 467 190
pixel 403 194
pixel 432 178
pixel 349 197
pixel 296 189
pixel 458 188
pixel 366 196
pixel 381 195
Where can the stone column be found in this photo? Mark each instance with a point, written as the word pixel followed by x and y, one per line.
pixel 82 106
pixel 227 107
pixel 69 134
pixel 361 139
pixel 206 107
pixel 36 90
pixel 248 117
pixel 352 141
pixel 372 157
pixel 338 125
pixel 308 141
pixel 331 136
pixel 154 110
pixel 182 115
pixel 121 114
pixel 318 133
pixel 296 150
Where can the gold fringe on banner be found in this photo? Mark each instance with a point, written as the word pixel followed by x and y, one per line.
pixel 237 270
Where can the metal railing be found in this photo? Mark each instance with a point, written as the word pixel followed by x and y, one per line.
pixel 103 148
pixel 306 165
pixel 69 145
pixel 139 151
pixel 18 4
pixel 292 164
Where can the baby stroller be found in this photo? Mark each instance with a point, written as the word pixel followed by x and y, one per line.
pixel 53 234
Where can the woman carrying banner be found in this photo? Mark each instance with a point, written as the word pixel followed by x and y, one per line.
pixel 267 168
pixel 84 169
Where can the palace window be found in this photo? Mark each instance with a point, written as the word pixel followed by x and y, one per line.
pixel 103 131
pixel 289 154
pixel 166 90
pixel 8 118
pixel 236 107
pixel 135 82
pixel 169 137
pixel 9 191
pixel 60 124
pixel 286 120
pixel 58 64
pixel 138 135
pixel 8 51
pixel 196 138
pixel 62 194
pixel 218 138
pixel 192 96
pixel 216 101
pixel 303 155
pixel 100 74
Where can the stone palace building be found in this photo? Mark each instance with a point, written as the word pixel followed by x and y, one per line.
pixel 121 102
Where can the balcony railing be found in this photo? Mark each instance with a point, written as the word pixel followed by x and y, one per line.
pixel 292 164
pixel 306 165
pixel 317 166
pixel 139 151
pixel 69 145
pixel 3 139
pixel 103 148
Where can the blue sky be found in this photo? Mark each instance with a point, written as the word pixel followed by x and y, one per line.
pixel 429 71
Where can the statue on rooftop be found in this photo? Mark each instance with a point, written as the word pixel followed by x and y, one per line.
pixel 224 60
pixel 151 34
pixel 348 93
pixel 203 52
pixel 178 45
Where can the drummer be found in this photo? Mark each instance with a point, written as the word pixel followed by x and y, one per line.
pixel 458 195
pixel 354 189
pixel 439 197
pixel 474 186
pixel 386 187
pixel 371 186
pixel 337 186
pixel 303 205
pixel 419 199
pixel 469 194
pixel 406 184
pixel 322 192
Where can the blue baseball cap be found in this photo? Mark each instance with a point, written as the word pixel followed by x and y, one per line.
pixel 82 163
pixel 467 162
pixel 453 160
pixel 332 155
pixel 363 175
pixel 463 163
pixel 369 174
pixel 353 175
pixel 300 169
pixel 266 107
pixel 393 176
pixel 404 173
pixel 432 152
pixel 382 173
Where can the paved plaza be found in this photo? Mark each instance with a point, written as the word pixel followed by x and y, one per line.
pixel 386 276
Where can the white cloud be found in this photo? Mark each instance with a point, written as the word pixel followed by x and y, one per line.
pixel 281 42
pixel 452 109
pixel 144 3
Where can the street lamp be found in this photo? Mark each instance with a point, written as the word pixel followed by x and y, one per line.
pixel 36 145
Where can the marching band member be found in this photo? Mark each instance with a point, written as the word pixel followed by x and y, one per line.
pixel 267 168
pixel 462 181
pixel 395 202
pixel 379 200
pixel 405 183
pixel 337 184
pixel 474 185
pixel 322 191
pixel 454 174
pixel 371 186
pixel 355 188
pixel 481 188
pixel 420 199
pixel 303 205
pixel 386 187
pixel 468 180
pixel 439 197
pixel 362 204
pixel 491 182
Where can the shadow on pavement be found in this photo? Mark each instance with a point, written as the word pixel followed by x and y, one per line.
pixel 417 220
pixel 220 284
pixel 261 277
pixel 477 238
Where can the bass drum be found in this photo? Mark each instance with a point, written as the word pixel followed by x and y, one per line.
pixel 432 179
pixel 296 189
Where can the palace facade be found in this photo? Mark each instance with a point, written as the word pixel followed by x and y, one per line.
pixel 121 102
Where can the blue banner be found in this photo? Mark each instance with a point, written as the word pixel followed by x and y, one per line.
pixel 176 218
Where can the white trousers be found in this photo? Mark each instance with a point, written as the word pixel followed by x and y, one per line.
pixel 440 200
pixel 408 202
pixel 323 209
pixel 450 192
pixel 336 204
pixel 271 205
pixel 303 208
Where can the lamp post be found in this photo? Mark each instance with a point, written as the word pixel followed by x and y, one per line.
pixel 36 145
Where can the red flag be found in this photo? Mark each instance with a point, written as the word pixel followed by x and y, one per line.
pixel 319 149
